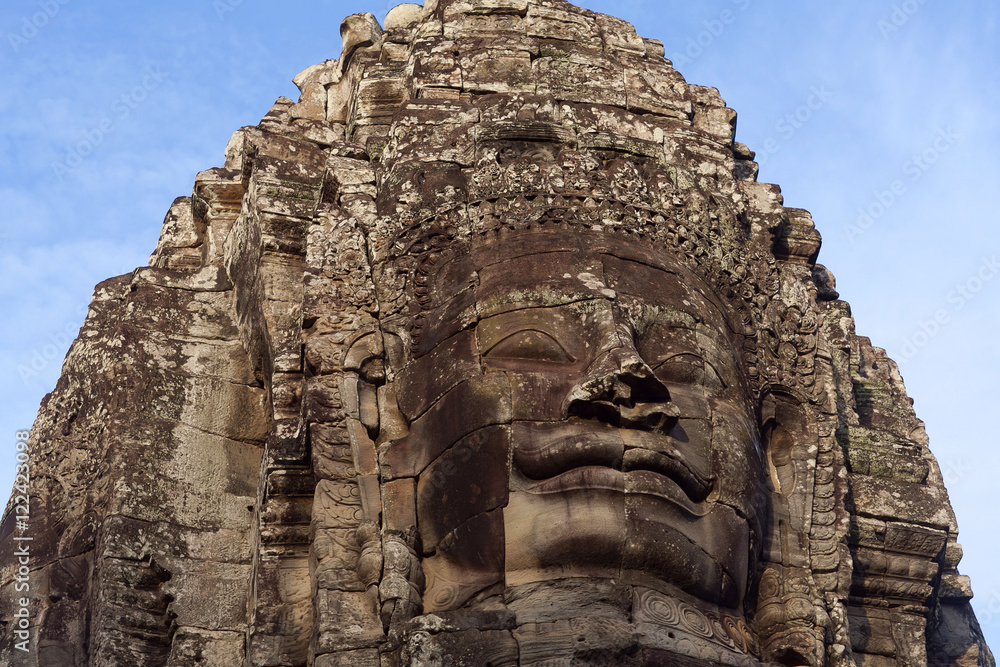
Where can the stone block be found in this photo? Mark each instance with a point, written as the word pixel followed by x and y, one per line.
pixel 337 505
pixel 399 502
pixel 359 658
pixel 562 23
pixel 497 26
pixel 904 501
pixel 619 35
pixel 467 480
pixel 470 563
pixel 471 647
pixel 497 69
pixel 576 74
pixel 469 406
pixel 425 380
pixel 200 646
pixel 180 228
pixel 602 639
pixel 311 104
pixel 358 31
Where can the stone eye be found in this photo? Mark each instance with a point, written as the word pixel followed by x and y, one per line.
pixel 683 369
pixel 531 345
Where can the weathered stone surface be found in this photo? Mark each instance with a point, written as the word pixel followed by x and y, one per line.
pixel 488 350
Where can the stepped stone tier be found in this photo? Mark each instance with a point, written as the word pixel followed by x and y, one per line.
pixel 489 351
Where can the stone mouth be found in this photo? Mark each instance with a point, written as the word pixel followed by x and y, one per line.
pixel 580 459
pixel 643 482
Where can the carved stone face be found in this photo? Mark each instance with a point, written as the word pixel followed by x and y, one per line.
pixel 592 421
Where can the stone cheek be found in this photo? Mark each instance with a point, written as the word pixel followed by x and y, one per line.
pixel 489 350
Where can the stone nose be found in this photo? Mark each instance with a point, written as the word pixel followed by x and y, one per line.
pixel 620 389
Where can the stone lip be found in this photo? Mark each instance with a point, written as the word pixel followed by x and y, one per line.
pixel 545 456
pixel 582 457
pixel 639 482
pixel 672 465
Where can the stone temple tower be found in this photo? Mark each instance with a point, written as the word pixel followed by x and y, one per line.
pixel 490 350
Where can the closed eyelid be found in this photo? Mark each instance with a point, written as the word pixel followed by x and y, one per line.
pixel 694 358
pixel 695 361
pixel 530 344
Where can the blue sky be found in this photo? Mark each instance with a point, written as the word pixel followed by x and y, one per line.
pixel 879 117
